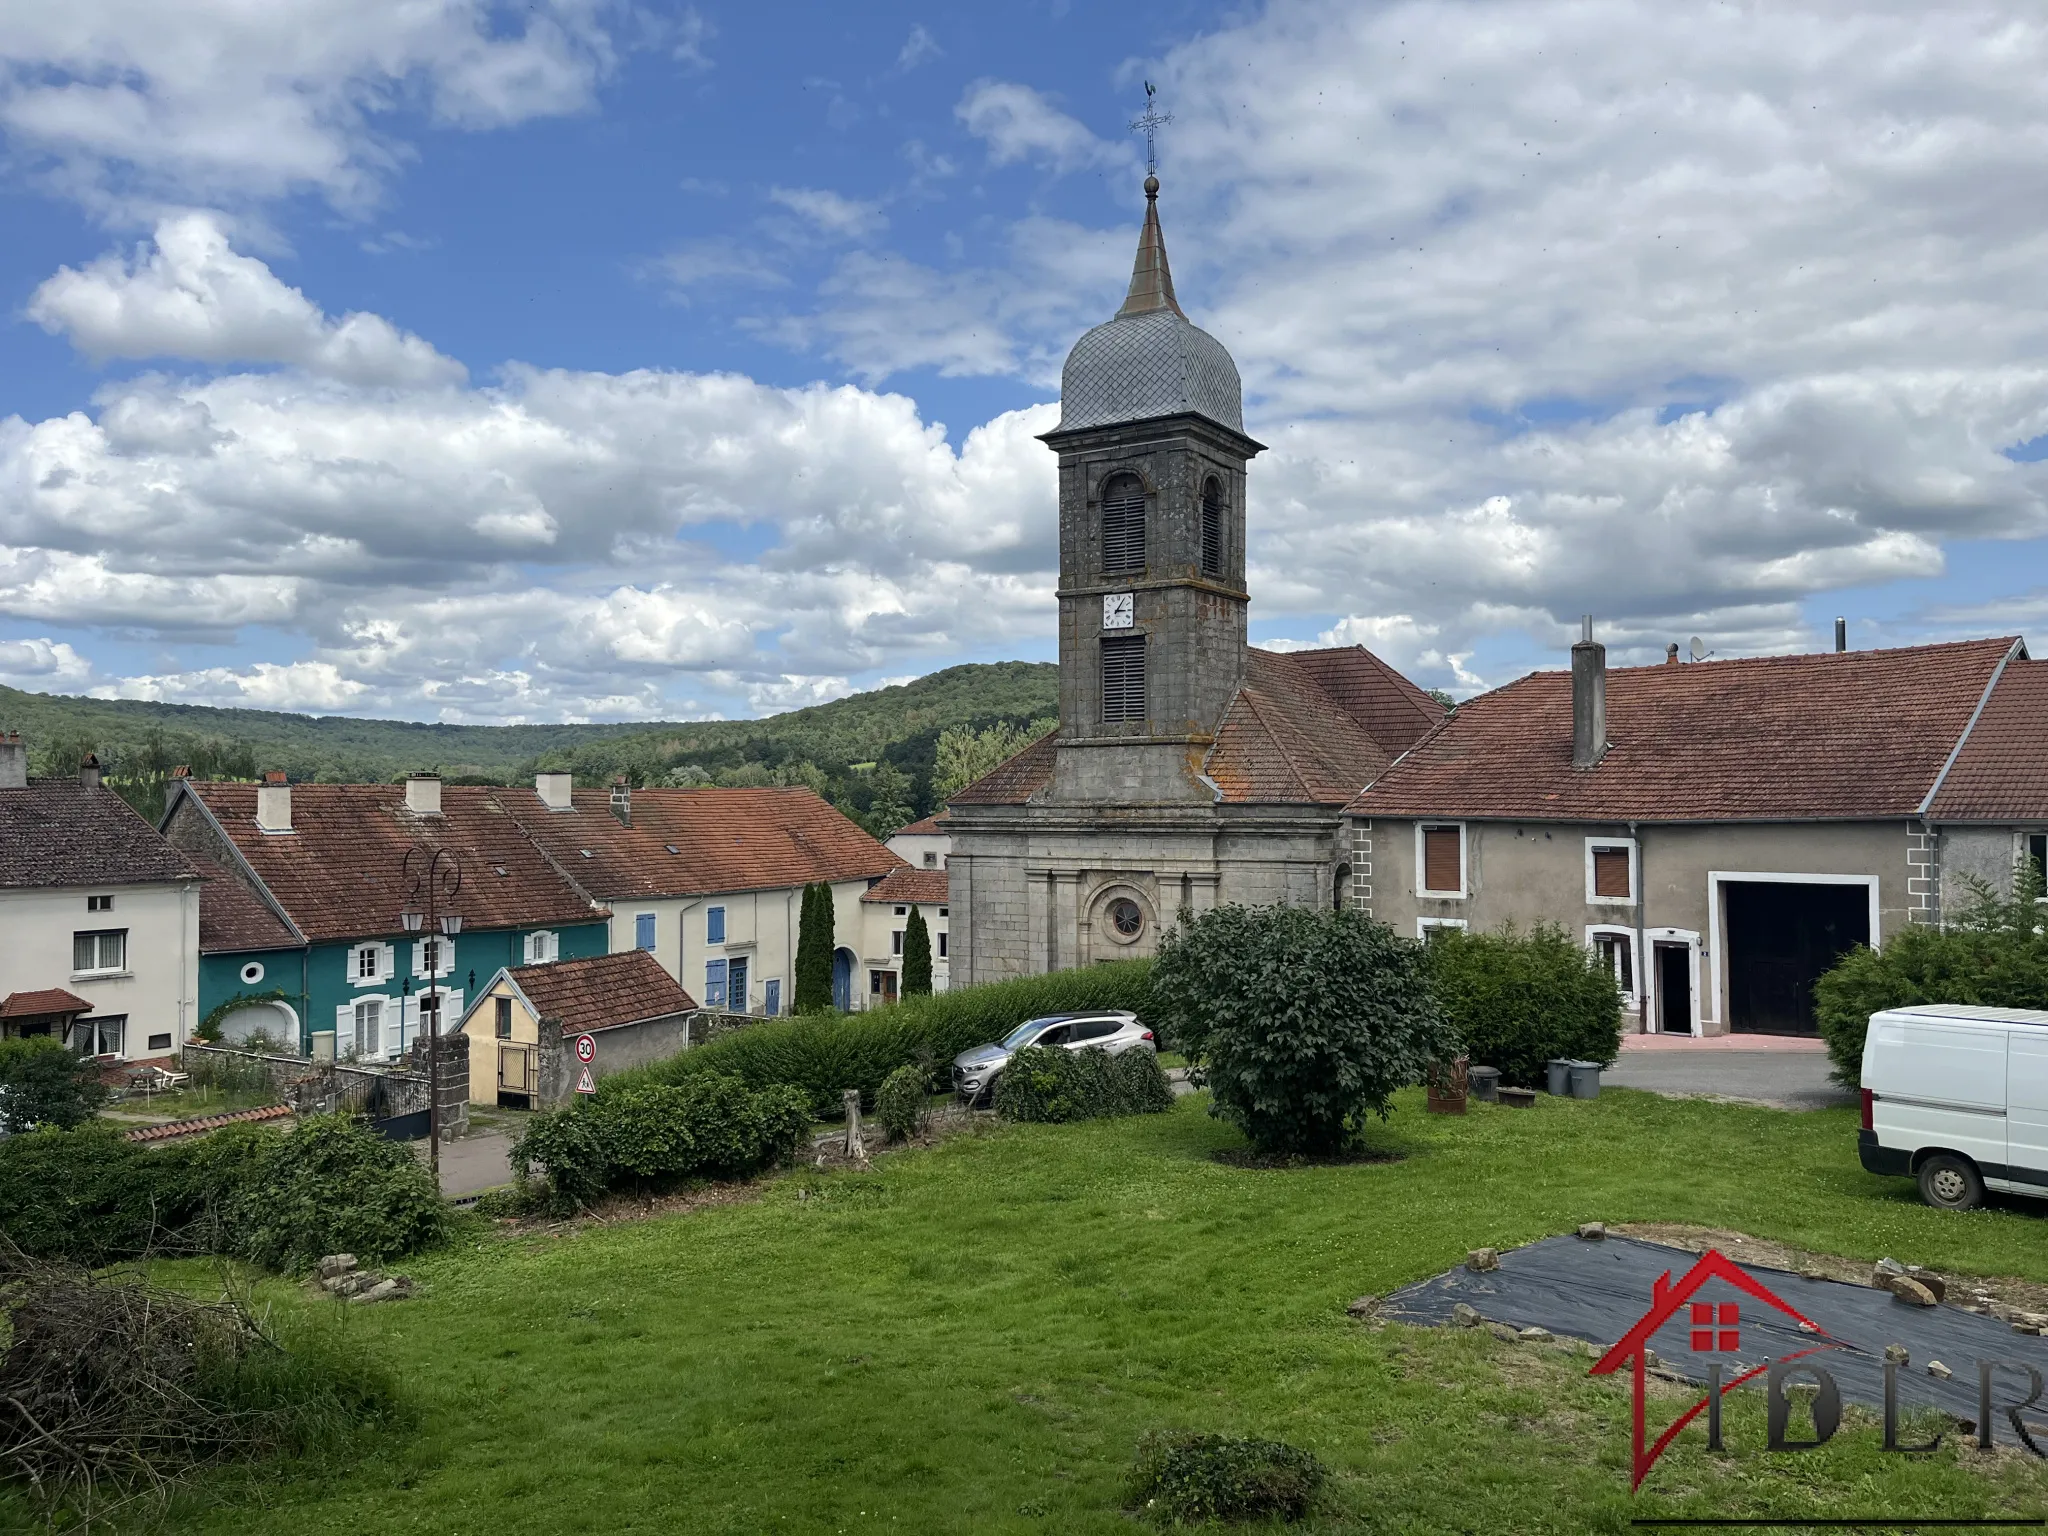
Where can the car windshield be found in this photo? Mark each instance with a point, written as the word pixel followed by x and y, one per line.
pixel 1016 1038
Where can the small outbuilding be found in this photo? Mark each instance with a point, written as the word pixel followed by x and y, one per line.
pixel 524 1025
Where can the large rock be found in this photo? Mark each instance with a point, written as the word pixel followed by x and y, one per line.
pixel 1593 1231
pixel 1465 1316
pixel 1365 1306
pixel 1480 1260
pixel 383 1290
pixel 1930 1279
pixel 336 1264
pixel 1905 1288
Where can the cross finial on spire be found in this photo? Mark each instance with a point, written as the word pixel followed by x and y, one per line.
pixel 1149 124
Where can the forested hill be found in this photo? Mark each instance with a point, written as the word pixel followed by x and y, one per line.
pixel 851 749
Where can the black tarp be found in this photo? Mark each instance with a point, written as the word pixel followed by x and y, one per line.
pixel 1597 1290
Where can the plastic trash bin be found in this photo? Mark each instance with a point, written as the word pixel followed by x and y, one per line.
pixel 1560 1071
pixel 1484 1083
pixel 1585 1079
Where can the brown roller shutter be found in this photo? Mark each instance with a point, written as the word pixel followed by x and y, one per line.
pixel 1610 872
pixel 1440 861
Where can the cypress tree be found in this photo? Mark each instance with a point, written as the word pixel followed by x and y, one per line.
pixel 814 946
pixel 917 956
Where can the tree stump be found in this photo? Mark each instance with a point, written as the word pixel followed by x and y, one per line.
pixel 856 1150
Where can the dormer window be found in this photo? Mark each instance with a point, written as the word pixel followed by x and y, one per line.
pixel 1212 527
pixel 1123 523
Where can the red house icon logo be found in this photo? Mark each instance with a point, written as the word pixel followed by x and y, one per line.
pixel 1715 1327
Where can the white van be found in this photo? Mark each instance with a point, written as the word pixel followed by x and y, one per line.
pixel 1957 1097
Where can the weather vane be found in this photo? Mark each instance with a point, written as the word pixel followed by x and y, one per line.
pixel 1149 125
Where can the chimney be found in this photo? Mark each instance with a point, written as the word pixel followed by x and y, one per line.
pixel 13 761
pixel 182 771
pixel 1841 633
pixel 622 800
pixel 1589 700
pixel 1671 654
pixel 274 803
pixel 555 789
pixel 89 772
pixel 423 794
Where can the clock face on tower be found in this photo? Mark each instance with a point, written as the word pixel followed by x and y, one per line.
pixel 1117 610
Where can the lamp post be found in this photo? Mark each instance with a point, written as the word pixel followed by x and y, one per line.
pixel 439 879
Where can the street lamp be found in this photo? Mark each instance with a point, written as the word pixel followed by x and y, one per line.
pixel 439 879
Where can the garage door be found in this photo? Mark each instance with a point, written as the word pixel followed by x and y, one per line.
pixel 1782 938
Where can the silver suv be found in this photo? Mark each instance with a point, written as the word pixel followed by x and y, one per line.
pixel 1111 1030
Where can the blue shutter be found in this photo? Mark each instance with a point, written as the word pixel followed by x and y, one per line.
pixel 643 930
pixel 714 925
pixel 771 997
pixel 714 983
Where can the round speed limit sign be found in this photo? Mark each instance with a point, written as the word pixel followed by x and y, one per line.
pixel 586 1049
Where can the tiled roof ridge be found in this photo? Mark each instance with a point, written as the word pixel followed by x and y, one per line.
pixel 29 1003
pixel 1411 692
pixel 182 790
pixel 1249 694
pixel 2016 648
pixel 965 793
pixel 200 1123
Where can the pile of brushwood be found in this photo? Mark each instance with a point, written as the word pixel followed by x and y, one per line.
pixel 113 1390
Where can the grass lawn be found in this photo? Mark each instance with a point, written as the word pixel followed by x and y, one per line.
pixel 972 1337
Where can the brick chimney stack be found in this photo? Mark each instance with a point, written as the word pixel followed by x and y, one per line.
pixel 13 761
pixel 274 803
pixel 89 772
pixel 1589 699
pixel 622 800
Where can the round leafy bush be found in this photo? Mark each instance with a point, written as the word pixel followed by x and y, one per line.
pixel 901 1103
pixel 43 1084
pixel 1304 1022
pixel 1187 1479
pixel 1519 1000
pixel 1138 1085
pixel 1050 1083
pixel 330 1186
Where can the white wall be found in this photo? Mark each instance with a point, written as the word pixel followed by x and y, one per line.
pixel 911 847
pixel 880 922
pixel 159 989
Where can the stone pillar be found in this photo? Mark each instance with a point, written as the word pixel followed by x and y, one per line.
pixel 454 1065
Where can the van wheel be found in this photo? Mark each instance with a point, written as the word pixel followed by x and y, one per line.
pixel 1950 1183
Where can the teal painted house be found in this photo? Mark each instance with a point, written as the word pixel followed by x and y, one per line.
pixel 301 930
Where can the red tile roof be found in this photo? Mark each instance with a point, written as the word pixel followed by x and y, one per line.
pixel 41 1005
pixel 2002 772
pixel 338 871
pixel 1828 736
pixel 725 840
pixel 602 991
pixel 928 826
pixel 926 887
pixel 171 1130
pixel 1307 727
pixel 58 832
pixel 232 917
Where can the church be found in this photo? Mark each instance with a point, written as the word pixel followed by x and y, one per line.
pixel 1189 770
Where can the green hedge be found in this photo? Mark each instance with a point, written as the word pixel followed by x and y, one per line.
pixel 1054 1084
pixel 1517 1000
pixel 825 1054
pixel 710 1125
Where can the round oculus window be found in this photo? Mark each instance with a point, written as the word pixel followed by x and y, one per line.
pixel 252 973
pixel 1127 918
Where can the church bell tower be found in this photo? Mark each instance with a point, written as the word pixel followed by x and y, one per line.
pixel 1152 454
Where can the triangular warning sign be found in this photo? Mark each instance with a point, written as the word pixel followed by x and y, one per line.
pixel 586 1083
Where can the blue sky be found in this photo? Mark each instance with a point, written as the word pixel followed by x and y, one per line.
pixel 604 360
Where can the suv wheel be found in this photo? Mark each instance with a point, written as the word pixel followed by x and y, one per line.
pixel 1950 1183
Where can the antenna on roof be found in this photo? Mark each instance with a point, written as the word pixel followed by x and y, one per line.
pixel 1149 124
pixel 1698 648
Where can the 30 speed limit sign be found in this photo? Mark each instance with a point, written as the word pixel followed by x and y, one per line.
pixel 586 1049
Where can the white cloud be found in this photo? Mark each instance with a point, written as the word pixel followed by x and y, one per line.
pixel 843 217
pixel 192 296
pixel 43 666
pixel 1019 123
pixel 128 105
pixel 918 48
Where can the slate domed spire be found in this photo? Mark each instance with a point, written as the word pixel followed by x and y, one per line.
pixel 1149 361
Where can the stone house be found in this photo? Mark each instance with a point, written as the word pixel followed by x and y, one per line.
pixel 886 909
pixel 96 909
pixel 1188 769
pixel 1719 832
pixel 710 881
pixel 523 1025
pixel 301 932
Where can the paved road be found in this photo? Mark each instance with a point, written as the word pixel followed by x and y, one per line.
pixel 1785 1079
pixel 473 1164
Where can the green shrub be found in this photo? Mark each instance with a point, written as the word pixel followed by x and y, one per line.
pixel 917 956
pixel 1304 1022
pixel 1992 953
pixel 330 1186
pixel 88 1195
pixel 43 1083
pixel 814 944
pixel 1519 1000
pixel 1051 1083
pixel 1188 1479
pixel 826 1054
pixel 900 1104
pixel 711 1125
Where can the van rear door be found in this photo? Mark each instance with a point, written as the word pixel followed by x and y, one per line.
pixel 2026 1097
pixel 1941 1084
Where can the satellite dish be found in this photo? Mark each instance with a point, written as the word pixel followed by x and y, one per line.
pixel 1699 649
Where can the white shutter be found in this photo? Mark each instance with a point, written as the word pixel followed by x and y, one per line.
pixel 526 949
pixel 419 957
pixel 447 958
pixel 451 1013
pixel 387 963
pixel 345 1027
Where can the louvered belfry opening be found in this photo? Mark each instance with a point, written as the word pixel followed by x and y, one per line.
pixel 1123 524
pixel 1212 527
pixel 1123 677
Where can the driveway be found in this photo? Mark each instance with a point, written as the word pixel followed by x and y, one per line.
pixel 473 1164
pixel 1784 1073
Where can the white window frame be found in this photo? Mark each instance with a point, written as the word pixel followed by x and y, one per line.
pixel 95 1027
pixel 356 1035
pixel 97 935
pixel 1646 978
pixel 1634 873
pixel 1424 924
pixel 445 953
pixel 542 947
pixel 386 960
pixel 1716 878
pixel 1464 861
pixel 1630 996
